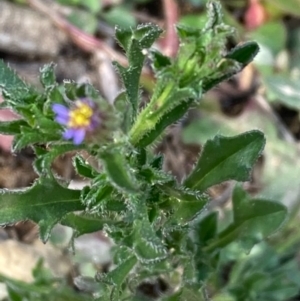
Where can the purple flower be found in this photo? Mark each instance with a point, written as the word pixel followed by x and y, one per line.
pixel 81 118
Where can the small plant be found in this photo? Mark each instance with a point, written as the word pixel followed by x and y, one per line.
pixel 160 227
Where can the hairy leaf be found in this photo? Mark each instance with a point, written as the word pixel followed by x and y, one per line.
pixel 85 223
pixel 186 204
pixel 32 136
pixel 165 107
pixel 244 53
pixel 45 203
pixel 13 88
pixel 147 246
pixel 51 291
pixel 226 158
pixel 191 293
pixel 118 170
pixel 205 230
pixel 253 221
pixel 135 42
pixel 12 127
pixel 83 168
pixel 43 163
pixel 47 76
pixel 118 275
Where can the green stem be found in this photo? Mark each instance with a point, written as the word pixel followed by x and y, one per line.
pixel 148 118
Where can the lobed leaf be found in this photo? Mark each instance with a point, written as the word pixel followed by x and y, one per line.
pixel 226 158
pixel 85 223
pixel 12 127
pixel 52 290
pixel 253 221
pixel 148 248
pixel 125 112
pixel 123 35
pixel 43 163
pixel 45 203
pixel 135 42
pixel 30 136
pixel 47 77
pixel 214 14
pixel 199 66
pixel 13 88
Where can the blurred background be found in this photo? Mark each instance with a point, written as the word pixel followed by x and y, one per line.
pixel 78 35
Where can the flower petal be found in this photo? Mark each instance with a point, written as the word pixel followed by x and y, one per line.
pixel 62 120
pixel 60 110
pixel 89 102
pixel 69 134
pixel 95 122
pixel 78 136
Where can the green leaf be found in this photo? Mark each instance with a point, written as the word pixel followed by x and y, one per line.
pixel 83 168
pixel 186 204
pixel 125 112
pixel 253 221
pixel 292 6
pixel 226 158
pixel 75 90
pixel 131 77
pixel 243 53
pixel 188 210
pixel 184 31
pixel 92 5
pixel 135 44
pixel 32 136
pixel 214 14
pixel 146 34
pixel 156 129
pixel 45 203
pixel 123 36
pixel 118 170
pixel 118 275
pixel 85 223
pixel 272 35
pixel 84 20
pixel 155 176
pixel 191 293
pixel 47 76
pixel 13 88
pixel 41 274
pixel 55 291
pixel 147 246
pixel 43 163
pixel 12 127
pixel 230 70
pixel 283 90
pixel 99 192
pixel 42 121
pixel 206 229
pixel 165 107
pixel 119 16
pixel 199 66
pixel 159 61
pixel 193 20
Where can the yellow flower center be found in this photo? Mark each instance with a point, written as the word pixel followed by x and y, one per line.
pixel 80 116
